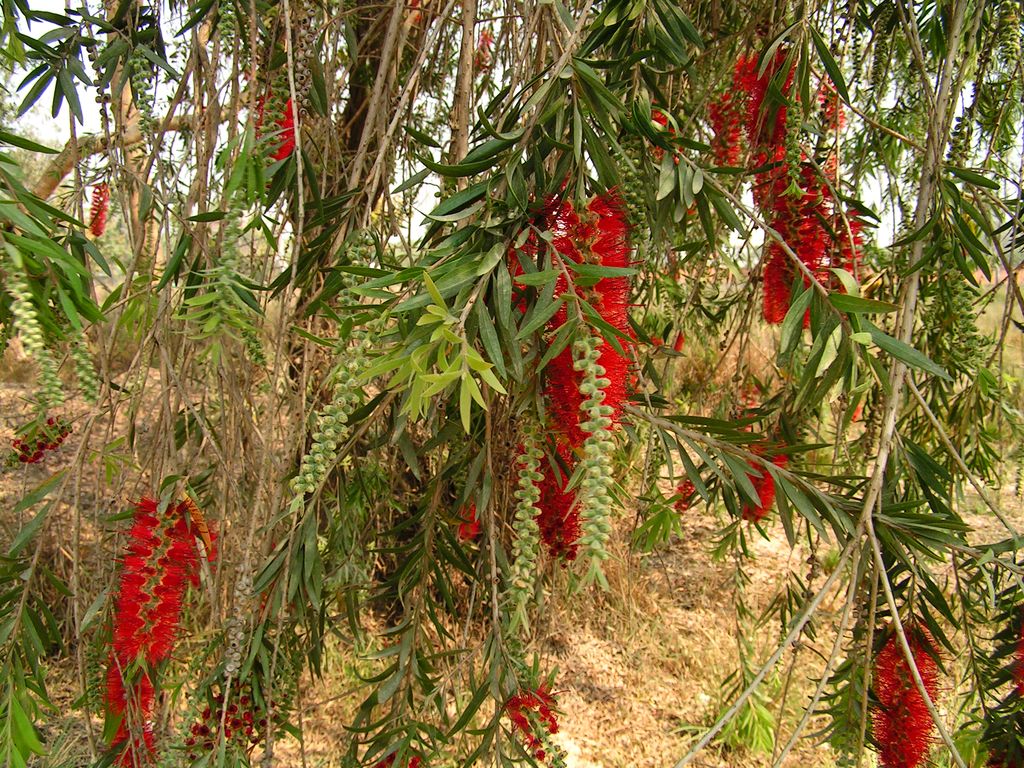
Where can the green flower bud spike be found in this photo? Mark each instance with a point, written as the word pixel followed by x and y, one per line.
pixel 526 547
pixel 88 382
pixel 332 422
pixel 26 321
pixel 595 494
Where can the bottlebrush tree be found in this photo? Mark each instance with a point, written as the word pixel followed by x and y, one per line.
pixel 435 313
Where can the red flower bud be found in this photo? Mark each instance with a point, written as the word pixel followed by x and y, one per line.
pixel 98 215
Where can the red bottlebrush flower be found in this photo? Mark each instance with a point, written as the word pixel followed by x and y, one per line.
pixel 469 528
pixel 133 706
pixel 763 129
pixel 661 119
pixel 286 124
pixel 611 247
pixel 161 559
pixel 796 202
pixel 778 276
pixel 765 487
pixel 1018 661
pixel 833 118
pixel 564 399
pixel 559 518
pixel 677 346
pixel 482 58
pixel 684 491
pixel 532 715
pixel 902 725
pixel 603 236
pixel 99 209
pixel 389 761
pixel 848 247
pixel 725 117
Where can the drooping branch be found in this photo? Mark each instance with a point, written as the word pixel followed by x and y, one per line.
pixel 61 164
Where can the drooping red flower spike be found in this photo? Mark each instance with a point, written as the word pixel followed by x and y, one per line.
pixel 764 127
pixel 532 714
pixel 286 124
pixel 469 528
pixel 902 724
pixel 778 276
pixel 482 57
pixel 559 519
pixel 765 487
pixel 600 235
pixel 160 561
pixel 99 209
pixel 726 121
pixel 1018 661
pixel 796 200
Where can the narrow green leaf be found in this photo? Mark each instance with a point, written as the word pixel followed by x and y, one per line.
pixel 538 318
pixel 971 177
pixel 23 143
pixel 846 302
pixel 905 352
pixel 834 73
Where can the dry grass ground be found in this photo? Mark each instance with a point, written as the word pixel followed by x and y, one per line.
pixel 640 670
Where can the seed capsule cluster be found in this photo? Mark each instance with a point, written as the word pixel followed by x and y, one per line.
pixel 306 21
pixel 636 182
pixel 26 321
pixel 236 627
pixel 883 48
pixel 596 486
pixel 1008 38
pixel 526 547
pixel 143 76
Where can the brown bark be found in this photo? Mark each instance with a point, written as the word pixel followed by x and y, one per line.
pixel 462 114
pixel 61 164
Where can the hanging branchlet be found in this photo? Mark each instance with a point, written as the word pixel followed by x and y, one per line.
pixel 595 497
pixel 332 422
pixel 26 322
pixel 225 305
pixel 526 547
pixel 883 48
